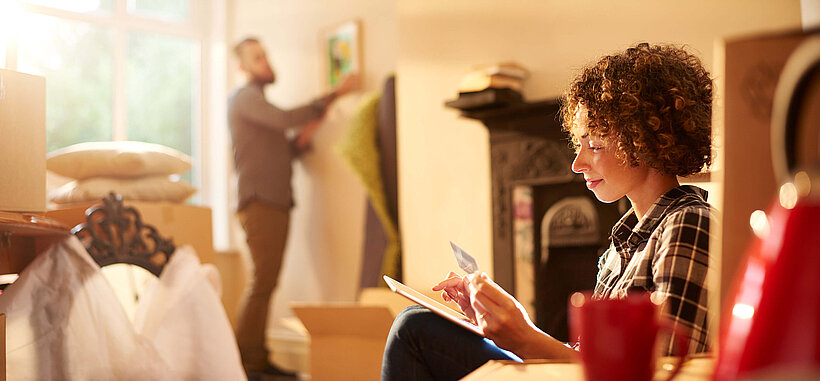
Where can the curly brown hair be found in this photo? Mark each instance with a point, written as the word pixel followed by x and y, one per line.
pixel 655 101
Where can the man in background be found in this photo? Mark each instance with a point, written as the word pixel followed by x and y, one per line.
pixel 263 155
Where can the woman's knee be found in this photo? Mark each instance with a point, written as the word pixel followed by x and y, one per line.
pixel 417 323
pixel 410 319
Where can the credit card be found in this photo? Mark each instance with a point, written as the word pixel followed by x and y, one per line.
pixel 465 261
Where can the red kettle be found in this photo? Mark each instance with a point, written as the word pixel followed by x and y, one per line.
pixel 772 330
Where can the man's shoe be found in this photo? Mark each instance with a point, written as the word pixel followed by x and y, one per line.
pixel 269 373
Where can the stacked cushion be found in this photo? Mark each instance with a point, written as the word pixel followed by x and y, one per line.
pixel 135 170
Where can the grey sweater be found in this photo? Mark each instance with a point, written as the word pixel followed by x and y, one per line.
pixel 262 152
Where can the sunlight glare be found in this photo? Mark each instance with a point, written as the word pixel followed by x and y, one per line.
pixel 743 311
pixel 79 6
pixel 759 223
pixel 788 195
pixel 9 18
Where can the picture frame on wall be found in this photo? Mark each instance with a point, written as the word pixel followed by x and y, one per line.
pixel 341 52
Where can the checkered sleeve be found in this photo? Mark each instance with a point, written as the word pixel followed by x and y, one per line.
pixel 679 274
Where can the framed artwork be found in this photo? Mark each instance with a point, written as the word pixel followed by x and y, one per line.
pixel 341 52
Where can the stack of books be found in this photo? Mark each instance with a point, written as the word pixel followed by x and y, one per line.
pixel 503 75
pixel 490 86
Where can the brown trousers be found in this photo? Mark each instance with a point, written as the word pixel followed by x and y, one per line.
pixel 266 229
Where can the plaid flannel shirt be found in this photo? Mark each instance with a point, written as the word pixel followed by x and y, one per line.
pixel 665 253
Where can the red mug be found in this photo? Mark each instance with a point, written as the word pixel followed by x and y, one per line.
pixel 618 336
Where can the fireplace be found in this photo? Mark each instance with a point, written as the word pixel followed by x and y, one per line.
pixel 548 229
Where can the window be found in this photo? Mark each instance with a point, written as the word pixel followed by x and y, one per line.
pixel 76 58
pixel 149 70
pixel 115 69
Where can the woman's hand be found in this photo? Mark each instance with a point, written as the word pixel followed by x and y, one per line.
pixel 456 289
pixel 503 319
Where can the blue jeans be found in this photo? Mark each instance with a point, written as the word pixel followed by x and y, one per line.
pixel 424 346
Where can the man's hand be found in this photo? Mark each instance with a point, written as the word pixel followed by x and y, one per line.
pixel 349 83
pixel 306 134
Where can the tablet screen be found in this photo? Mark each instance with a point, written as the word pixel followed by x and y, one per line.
pixel 432 305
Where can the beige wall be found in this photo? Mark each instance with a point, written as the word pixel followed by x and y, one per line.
pixel 324 253
pixel 444 187
pixel 443 160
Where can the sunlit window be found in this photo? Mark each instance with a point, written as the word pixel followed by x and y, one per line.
pixel 173 10
pixel 160 88
pixel 77 60
pixel 115 69
pixel 79 6
pixel 146 70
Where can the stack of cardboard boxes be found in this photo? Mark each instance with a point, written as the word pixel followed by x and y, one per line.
pixel 22 172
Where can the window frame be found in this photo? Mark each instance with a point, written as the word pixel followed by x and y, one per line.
pixel 206 25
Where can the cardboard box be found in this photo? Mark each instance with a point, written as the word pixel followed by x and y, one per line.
pixel 185 224
pixel 22 142
pixel 234 276
pixel 346 340
pixel 747 70
pixel 380 296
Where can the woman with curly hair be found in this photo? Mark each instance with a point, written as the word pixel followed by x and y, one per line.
pixel 638 120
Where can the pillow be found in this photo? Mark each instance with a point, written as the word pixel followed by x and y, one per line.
pixel 152 188
pixel 117 159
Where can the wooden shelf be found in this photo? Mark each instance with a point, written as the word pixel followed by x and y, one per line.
pixel 30 224
pixel 23 236
pixel 536 118
pixel 513 110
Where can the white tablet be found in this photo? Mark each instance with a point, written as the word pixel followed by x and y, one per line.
pixel 432 305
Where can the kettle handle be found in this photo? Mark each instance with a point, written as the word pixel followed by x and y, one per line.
pixel 802 67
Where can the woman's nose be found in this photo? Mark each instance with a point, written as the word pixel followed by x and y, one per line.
pixel 579 165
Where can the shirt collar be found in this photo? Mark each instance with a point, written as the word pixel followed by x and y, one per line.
pixel 256 85
pixel 628 232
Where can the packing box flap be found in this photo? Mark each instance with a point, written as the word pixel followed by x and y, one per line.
pixel 345 319
pixel 379 296
pixel 23 142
